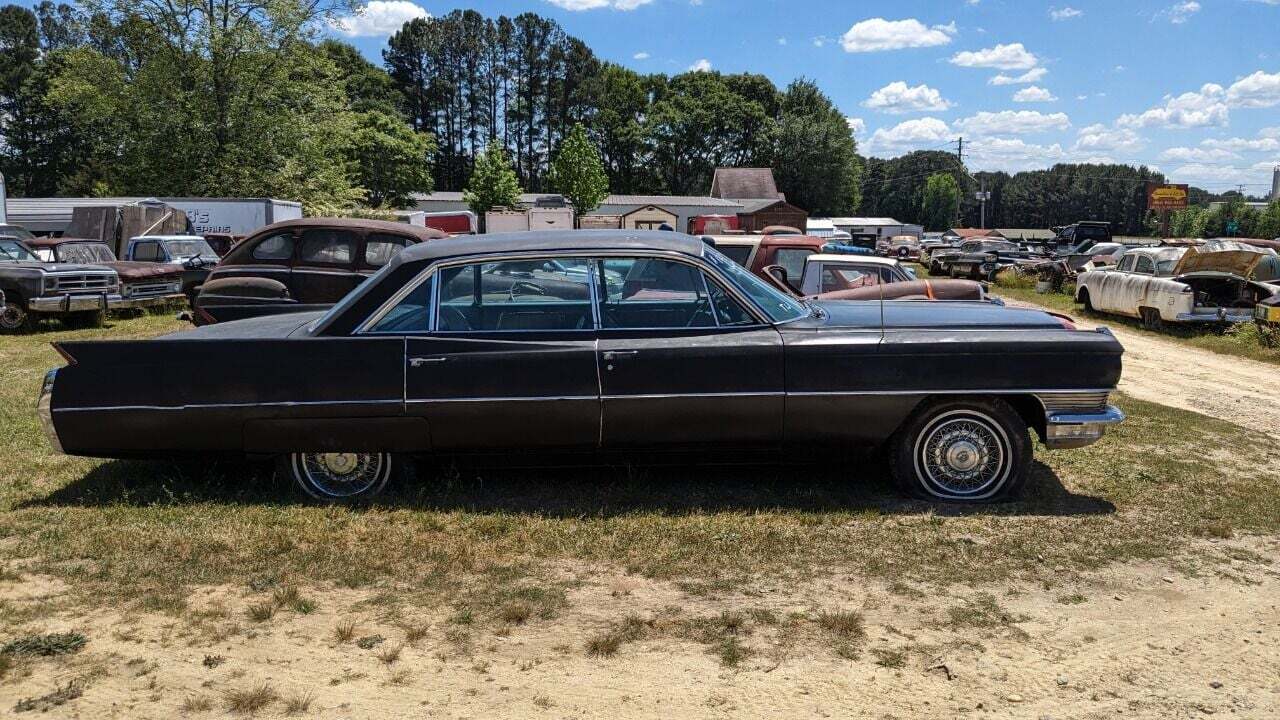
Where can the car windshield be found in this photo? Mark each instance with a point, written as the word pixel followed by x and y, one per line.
pixel 1164 268
pixel 189 248
pixel 779 307
pixel 12 250
pixel 16 231
pixel 85 253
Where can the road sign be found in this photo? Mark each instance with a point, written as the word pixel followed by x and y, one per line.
pixel 1166 197
pixel 982 196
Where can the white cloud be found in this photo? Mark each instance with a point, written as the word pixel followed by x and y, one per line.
pixel 1082 97
pixel 908 135
pixel 1205 108
pixel 1197 155
pixel 1100 138
pixel 1033 93
pixel 640 56
pixel 1179 13
pixel 782 41
pixel 1030 76
pixel 703 65
pixel 580 5
pixel 878 34
pixel 1012 122
pixel 1270 132
pixel 857 125
pixel 896 98
pixel 1258 90
pixel 1065 13
pixel 1263 143
pixel 1001 57
pixel 379 17
pixel 1012 154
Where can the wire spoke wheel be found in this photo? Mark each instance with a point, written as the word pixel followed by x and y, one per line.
pixel 962 454
pixel 340 476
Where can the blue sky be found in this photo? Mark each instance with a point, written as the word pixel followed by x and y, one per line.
pixel 1189 86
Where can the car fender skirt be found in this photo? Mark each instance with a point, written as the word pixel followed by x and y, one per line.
pixel 358 434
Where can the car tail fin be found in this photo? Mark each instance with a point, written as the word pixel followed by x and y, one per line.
pixel 1068 323
pixel 58 348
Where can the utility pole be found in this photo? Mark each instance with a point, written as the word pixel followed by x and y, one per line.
pixel 960 149
pixel 982 195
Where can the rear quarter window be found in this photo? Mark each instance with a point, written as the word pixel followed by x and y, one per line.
pixel 274 248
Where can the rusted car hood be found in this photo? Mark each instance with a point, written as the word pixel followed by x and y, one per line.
pixel 1221 256
pixel 915 289
pixel 129 270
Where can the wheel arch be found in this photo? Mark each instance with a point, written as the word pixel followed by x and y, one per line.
pixel 1028 407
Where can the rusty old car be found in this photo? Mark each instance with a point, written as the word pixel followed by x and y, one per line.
pixel 596 342
pixel 142 284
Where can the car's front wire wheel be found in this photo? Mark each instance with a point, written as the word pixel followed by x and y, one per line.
pixel 343 476
pixel 966 451
pixel 14 318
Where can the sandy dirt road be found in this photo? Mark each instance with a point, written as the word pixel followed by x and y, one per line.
pixel 1245 392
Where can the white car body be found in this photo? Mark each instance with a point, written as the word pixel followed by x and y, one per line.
pixel 849 266
pixel 1162 283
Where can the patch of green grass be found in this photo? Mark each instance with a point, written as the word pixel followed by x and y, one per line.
pixel 1072 599
pixel 982 611
pixel 895 658
pixel 732 652
pixel 61 695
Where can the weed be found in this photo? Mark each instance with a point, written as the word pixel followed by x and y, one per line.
pixel 895 659
pixel 732 652
pixel 604 644
pixel 261 612
pixel 298 704
pixel 463 616
pixel 61 695
pixel 251 700
pixel 982 611
pixel 542 701
pixel 46 645
pixel 213 661
pixel 196 704
pixel 515 613
pixel 844 624
pixel 1072 599
pixel 345 631
pixel 413 634
pixel 368 642
pixel 390 654
pixel 399 678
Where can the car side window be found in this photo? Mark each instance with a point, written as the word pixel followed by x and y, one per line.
pixel 410 315
pixel 1126 263
pixel 1144 266
pixel 548 294
pixel 148 251
pixel 379 248
pixel 276 248
pixel 652 293
pixel 323 246
pixel 729 312
pixel 793 260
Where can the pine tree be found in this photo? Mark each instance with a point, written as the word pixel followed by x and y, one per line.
pixel 578 173
pixel 493 183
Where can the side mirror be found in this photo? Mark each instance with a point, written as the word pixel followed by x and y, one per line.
pixel 777 276
pixel 910 271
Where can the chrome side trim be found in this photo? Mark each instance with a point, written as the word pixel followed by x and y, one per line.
pixel 43 405
pixel 668 396
pixel 549 398
pixel 973 391
pixel 205 406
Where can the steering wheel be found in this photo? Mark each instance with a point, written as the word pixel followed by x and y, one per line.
pixel 525 288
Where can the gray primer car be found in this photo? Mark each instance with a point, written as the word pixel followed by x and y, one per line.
pixel 35 288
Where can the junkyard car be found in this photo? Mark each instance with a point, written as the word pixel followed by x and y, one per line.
pixel 191 252
pixel 299 265
pixel 142 284
pixel 662 343
pixel 979 259
pixel 77 293
pixel 1210 283
pixel 903 247
pixel 845 277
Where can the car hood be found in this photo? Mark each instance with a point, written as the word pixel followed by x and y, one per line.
pixel 52 267
pixel 957 314
pixel 1220 256
pixel 131 270
pixel 265 327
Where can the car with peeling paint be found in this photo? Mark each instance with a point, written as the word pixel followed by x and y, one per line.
pixel 1211 283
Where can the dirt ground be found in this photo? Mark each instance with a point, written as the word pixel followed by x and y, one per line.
pixel 1230 388
pixel 1193 638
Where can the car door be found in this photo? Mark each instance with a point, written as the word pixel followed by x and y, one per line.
pixel 508 358
pixel 324 266
pixel 1108 286
pixel 682 361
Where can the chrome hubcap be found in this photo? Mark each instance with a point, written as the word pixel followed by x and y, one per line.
pixel 342 475
pixel 962 454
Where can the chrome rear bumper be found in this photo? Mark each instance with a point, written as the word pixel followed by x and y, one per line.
pixel 44 409
pixel 1065 430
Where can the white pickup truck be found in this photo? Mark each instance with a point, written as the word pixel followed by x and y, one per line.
pixel 1213 282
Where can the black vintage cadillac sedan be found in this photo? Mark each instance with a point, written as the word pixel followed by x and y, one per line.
pixel 593 341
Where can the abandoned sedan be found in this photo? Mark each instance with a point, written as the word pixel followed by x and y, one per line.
pixel 1214 282
pixel 595 341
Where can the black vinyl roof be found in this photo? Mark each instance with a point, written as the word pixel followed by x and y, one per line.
pixel 548 240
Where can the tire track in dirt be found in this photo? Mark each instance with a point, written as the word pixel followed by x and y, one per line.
pixel 1235 389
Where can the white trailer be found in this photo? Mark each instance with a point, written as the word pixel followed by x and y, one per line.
pixel 551 218
pixel 498 221
pixel 234 216
pixel 4 203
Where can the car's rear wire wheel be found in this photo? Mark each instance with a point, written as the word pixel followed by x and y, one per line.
pixel 343 476
pixel 14 318
pixel 968 451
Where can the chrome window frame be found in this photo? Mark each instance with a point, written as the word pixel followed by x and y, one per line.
pixel 435 267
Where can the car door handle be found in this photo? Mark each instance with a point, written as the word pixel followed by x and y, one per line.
pixel 615 354
pixel 420 361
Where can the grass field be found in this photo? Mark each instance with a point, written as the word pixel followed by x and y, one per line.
pixel 146 533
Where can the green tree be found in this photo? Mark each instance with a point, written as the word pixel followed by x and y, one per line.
pixel 578 174
pixel 390 159
pixel 940 203
pixel 493 183
pixel 1268 224
pixel 367 86
pixel 817 163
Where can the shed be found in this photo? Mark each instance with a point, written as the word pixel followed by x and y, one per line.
pixel 745 184
pixel 1025 234
pixel 600 222
pixel 967 233
pixel 758 214
pixel 649 217
pixel 878 227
